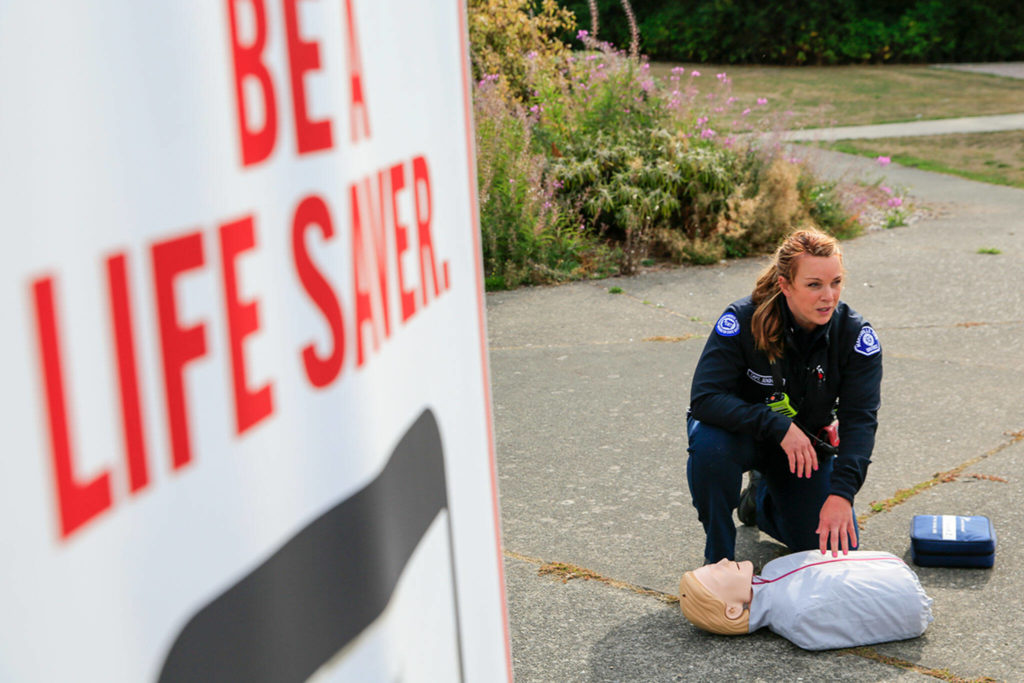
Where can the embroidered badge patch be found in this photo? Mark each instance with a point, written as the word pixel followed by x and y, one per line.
pixel 727 325
pixel 867 342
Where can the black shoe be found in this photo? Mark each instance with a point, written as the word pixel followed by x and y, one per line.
pixel 747 509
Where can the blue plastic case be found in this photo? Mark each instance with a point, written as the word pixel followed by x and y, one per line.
pixel 952 541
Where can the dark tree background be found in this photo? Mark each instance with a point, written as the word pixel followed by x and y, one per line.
pixel 815 31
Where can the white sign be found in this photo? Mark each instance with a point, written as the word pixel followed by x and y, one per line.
pixel 246 408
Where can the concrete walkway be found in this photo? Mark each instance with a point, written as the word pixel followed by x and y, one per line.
pixel 1006 69
pixel 969 124
pixel 590 390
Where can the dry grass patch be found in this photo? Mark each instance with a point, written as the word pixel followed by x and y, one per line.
pixel 821 96
pixel 996 158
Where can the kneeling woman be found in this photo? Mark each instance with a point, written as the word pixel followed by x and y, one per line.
pixel 780 366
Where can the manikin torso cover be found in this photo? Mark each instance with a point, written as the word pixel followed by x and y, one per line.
pixel 819 602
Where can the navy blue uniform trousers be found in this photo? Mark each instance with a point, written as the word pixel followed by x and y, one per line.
pixel 787 507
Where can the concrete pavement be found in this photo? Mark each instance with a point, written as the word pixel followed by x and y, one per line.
pixel 967 124
pixel 590 389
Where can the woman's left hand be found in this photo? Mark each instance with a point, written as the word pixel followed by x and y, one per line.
pixel 835 526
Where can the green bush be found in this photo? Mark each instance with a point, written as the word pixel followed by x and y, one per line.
pixel 508 37
pixel 526 236
pixel 588 167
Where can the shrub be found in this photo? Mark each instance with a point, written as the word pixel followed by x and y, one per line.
pixel 587 166
pixel 507 37
pixel 526 236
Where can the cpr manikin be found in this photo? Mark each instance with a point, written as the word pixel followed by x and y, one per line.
pixel 817 601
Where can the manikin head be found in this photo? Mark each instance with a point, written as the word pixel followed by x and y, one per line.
pixel 716 597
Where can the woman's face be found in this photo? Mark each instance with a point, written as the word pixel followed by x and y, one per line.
pixel 813 290
pixel 730 582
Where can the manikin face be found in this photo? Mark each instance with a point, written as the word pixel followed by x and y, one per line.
pixel 730 582
pixel 813 291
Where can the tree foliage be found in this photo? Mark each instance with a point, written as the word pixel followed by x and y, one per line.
pixel 818 32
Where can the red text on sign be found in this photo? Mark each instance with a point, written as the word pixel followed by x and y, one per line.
pixel 395 276
pixel 257 139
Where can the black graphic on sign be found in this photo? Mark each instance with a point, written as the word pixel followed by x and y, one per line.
pixel 326 584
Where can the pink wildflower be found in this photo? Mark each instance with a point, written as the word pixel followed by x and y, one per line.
pixel 894 202
pixel 730 100
pixel 883 161
pixel 762 100
pixel 707 133
pixel 702 120
pixel 745 111
pixel 582 34
pixel 885 189
pixel 678 70
pixel 694 74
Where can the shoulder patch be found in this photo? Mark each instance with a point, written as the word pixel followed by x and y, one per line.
pixel 728 325
pixel 867 342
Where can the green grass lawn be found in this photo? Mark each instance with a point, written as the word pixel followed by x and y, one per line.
pixel 858 95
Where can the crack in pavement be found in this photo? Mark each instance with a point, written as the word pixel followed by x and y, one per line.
pixel 903 495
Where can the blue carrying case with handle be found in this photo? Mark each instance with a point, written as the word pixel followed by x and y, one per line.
pixel 952 541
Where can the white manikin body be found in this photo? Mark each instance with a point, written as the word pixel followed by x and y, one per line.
pixel 819 602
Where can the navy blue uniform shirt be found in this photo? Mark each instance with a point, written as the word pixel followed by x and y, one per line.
pixel 835 369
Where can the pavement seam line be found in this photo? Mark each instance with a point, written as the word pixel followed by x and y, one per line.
pixel 567 572
pixel 903 495
pixel 941 674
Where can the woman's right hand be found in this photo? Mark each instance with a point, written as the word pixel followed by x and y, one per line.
pixel 802 457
